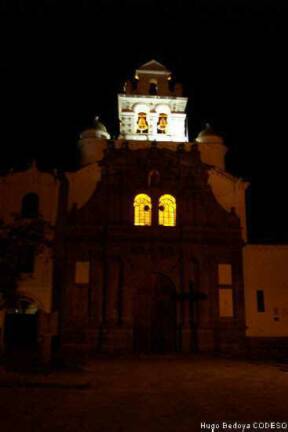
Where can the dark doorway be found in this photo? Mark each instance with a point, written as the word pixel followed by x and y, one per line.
pixel 163 325
pixel 30 206
pixel 142 321
pixel 155 317
pixel 20 335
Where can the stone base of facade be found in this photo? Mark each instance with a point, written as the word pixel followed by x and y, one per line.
pixel 197 340
pixel 120 339
pixel 230 341
pixel 263 348
pixel 117 340
pixel 186 341
pixel 205 340
pixel 107 339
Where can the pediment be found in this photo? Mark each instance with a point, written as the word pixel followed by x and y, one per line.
pixel 153 65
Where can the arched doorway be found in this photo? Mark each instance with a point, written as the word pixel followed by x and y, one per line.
pixel 20 332
pixel 155 316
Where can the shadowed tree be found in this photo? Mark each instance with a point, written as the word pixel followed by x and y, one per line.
pixel 20 242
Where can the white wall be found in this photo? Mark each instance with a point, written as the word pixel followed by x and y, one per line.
pixel 266 268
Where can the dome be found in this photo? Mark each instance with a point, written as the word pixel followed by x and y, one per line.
pixel 209 136
pixel 212 147
pixel 100 129
pixel 208 131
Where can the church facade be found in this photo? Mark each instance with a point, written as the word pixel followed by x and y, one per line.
pixel 150 250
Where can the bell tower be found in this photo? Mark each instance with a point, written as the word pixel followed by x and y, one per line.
pixel 150 109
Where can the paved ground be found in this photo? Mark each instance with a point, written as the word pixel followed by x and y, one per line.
pixel 149 394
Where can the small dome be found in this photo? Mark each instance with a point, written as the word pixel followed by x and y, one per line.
pixel 208 131
pixel 209 136
pixel 100 129
pixel 211 147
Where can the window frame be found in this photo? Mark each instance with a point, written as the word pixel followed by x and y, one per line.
pixel 171 212
pixel 146 218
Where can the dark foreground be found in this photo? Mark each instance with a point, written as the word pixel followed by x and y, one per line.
pixel 147 394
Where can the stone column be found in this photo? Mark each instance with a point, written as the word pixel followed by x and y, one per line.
pixel 112 291
pixel 206 307
pixel 186 324
pixel 127 299
pixel 47 327
pixel 2 323
pixel 97 291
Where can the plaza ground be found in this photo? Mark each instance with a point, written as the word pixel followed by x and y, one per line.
pixel 148 394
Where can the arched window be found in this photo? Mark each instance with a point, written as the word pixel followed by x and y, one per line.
pixel 153 178
pixel 142 210
pixel 167 210
pixel 153 87
pixel 30 206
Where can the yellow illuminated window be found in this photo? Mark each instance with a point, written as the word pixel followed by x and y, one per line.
pixel 167 210
pixel 142 210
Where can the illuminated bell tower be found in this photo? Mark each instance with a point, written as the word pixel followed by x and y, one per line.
pixel 151 110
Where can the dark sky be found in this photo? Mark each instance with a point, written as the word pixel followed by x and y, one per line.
pixel 63 62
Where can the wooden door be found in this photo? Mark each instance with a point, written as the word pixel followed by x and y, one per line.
pixel 155 316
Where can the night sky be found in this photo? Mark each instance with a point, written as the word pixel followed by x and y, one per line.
pixel 64 62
